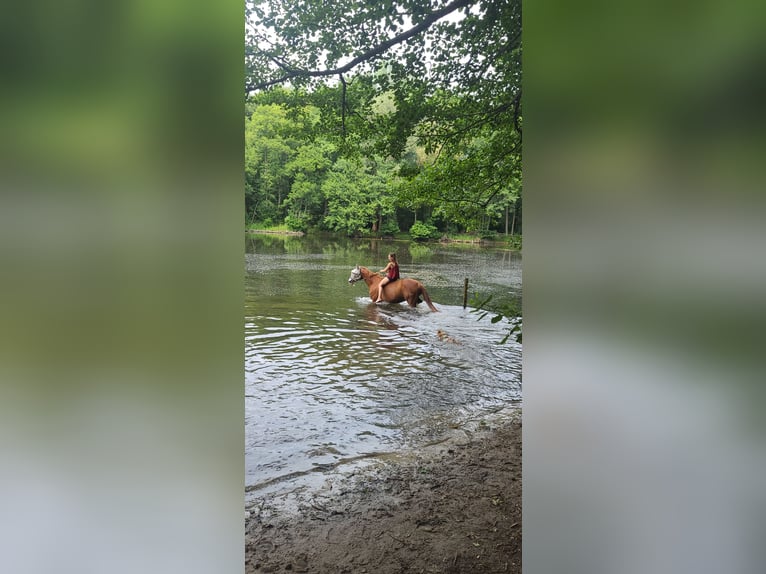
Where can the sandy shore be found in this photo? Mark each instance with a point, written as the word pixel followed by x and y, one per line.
pixel 454 508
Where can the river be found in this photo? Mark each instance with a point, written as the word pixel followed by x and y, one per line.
pixel 332 379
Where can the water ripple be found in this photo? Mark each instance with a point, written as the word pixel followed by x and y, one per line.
pixel 332 378
pixel 362 384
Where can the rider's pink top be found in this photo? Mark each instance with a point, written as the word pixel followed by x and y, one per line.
pixel 393 272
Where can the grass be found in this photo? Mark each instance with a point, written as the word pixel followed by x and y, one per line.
pixel 512 241
pixel 464 237
pixel 260 227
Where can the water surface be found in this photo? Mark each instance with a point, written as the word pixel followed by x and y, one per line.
pixel 332 378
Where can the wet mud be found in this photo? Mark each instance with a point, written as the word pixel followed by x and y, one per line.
pixel 454 507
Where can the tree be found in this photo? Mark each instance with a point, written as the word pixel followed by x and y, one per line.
pixel 308 168
pixel 444 72
pixel 358 197
pixel 295 40
pixel 268 148
pixel 450 66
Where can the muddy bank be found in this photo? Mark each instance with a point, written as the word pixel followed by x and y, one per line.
pixel 453 508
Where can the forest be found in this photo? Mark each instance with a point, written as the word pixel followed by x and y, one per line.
pixel 384 118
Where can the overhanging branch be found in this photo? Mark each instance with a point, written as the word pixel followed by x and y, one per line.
pixel 290 73
pixel 343 107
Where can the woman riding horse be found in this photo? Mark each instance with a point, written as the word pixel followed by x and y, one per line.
pixel 392 274
pixel 406 289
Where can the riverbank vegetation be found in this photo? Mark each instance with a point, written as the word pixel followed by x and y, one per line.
pixel 385 119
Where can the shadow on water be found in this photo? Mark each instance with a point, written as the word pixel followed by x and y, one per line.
pixel 333 378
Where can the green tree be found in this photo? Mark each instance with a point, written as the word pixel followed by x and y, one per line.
pixel 348 207
pixel 359 195
pixel 471 187
pixel 268 149
pixel 309 167
pixel 446 72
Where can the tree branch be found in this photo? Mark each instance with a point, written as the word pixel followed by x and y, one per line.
pixel 343 107
pixel 454 132
pixel 370 54
pixel 516 105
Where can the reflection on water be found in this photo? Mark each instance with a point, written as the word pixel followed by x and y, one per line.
pixel 331 377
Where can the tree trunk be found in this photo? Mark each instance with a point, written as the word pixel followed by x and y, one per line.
pixel 513 221
pixel 506 220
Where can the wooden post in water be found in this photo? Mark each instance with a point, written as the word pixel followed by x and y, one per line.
pixel 465 293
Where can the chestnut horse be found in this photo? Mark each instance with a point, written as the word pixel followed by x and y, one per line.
pixel 400 290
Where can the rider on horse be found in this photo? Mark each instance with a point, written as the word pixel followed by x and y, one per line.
pixel 392 274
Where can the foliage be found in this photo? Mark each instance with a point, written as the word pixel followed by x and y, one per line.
pixel 269 146
pixel 434 85
pixel 507 311
pixel 514 241
pixel 297 222
pixel 357 195
pixel 423 231
pixel 308 169
pixel 471 187
pixel 470 47
pixel 266 225
pixel 389 226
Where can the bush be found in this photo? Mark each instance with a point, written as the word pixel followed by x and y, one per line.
pixel 514 241
pixel 389 227
pixel 297 222
pixel 423 231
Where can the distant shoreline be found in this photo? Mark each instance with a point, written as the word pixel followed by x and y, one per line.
pixel 443 240
pixel 267 232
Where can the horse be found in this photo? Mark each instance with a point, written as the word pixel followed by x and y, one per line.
pixel 397 291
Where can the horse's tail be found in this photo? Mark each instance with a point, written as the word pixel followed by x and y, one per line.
pixel 427 299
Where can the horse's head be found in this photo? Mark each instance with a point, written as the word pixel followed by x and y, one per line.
pixel 356 275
